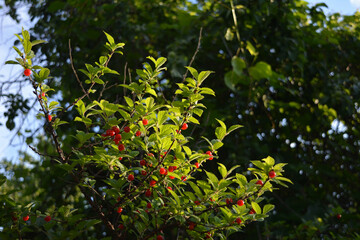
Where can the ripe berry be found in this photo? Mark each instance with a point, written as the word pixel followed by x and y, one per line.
pixel 162 171
pixel 184 126
pixel 192 226
pixel 338 216
pixel 272 174
pixel 252 211
pixel 152 183
pixel 171 177
pixel 159 237
pixel 210 155
pixel 143 172
pixel 171 169
pixel 145 122
pixel 170 188
pixel 120 158
pixel 142 162
pixel 116 129
pixel 238 220
pixel 148 205
pixel 47 218
pixel 259 182
pixel 27 72
pixel 131 177
pixel 127 129
pixel 150 154
pixel 197 202
pixel 240 202
pixel 117 137
pixel 110 132
pixel 25 218
pixel 14 218
pixel 49 118
pixel 121 147
pixel 183 178
pixel 138 133
pixel 121 226
pixel 148 193
pixel 119 210
pixel 208 235
pixel 229 201
pixel 197 165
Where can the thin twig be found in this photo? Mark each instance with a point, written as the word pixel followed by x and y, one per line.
pixel 73 68
pixel 194 56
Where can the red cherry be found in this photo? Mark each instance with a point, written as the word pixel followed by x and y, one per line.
pixel 338 216
pixel 131 177
pixel 127 129
pixel 119 210
pixel 229 201
pixel 150 154
pixel 14 218
pixel 183 178
pixel 121 147
pixel 49 118
pixel 171 168
pixel 197 202
pixel 116 129
pixel 171 177
pixel 42 94
pixel 160 237
pixel 197 165
pixel 121 226
pixel 210 155
pixel 148 205
pixel 178 131
pixel 152 183
pixel 27 72
pixel 117 137
pixel 25 218
pixel 184 126
pixel 148 193
pixel 170 188
pixel 211 199
pixel 142 162
pixel 238 220
pixel 110 132
pixel 259 182
pixel 120 158
pixel 208 235
pixel 175 167
pixel 252 211
pixel 240 202
pixel 138 133
pixel 145 122
pixel 162 171
pixel 272 174
pixel 143 172
pixel 47 218
pixel 192 226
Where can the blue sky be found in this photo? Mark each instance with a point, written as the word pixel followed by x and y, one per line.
pixel 7 29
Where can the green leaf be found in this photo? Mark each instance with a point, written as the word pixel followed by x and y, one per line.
pixel 110 38
pixel 129 101
pixel 202 76
pixel 2 179
pixel 233 127
pixel 220 133
pixel 256 207
pixel 175 196
pixel 212 178
pixel 27 46
pixel 238 65
pixel 267 208
pixel 11 62
pixel 193 72
pixel 196 189
pixel 98 81
pixel 207 91
pixel 269 161
pixel 229 35
pixel 222 170
pixel 194 120
pixel 251 49
pixel 36 42
pixel 260 70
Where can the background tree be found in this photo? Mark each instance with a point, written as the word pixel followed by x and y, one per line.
pixel 291 77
